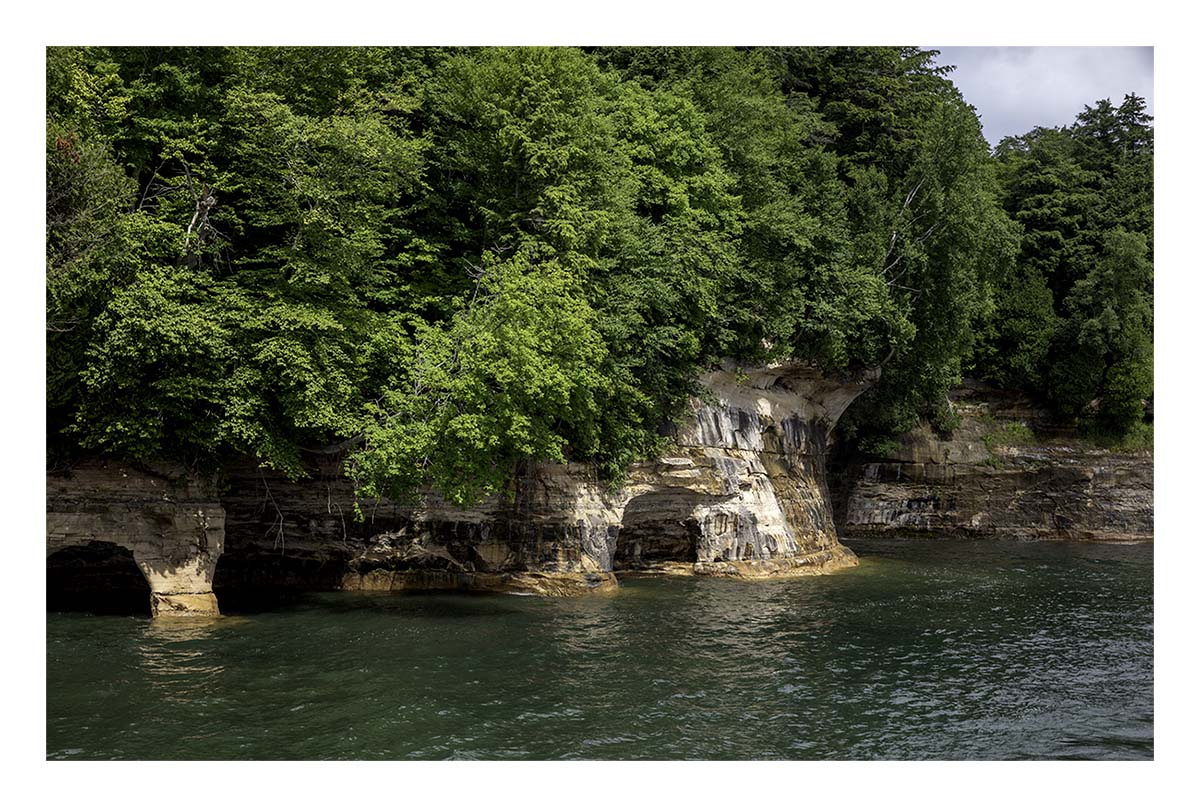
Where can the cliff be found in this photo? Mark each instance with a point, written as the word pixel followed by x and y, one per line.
pixel 111 516
pixel 741 493
pixel 1005 472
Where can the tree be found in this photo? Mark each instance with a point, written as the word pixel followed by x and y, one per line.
pixel 1103 350
pixel 923 212
pixel 442 264
pixel 1074 321
pixel 474 400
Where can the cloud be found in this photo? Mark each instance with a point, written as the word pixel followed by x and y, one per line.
pixel 1016 89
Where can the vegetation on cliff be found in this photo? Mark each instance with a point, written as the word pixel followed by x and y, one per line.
pixel 444 262
pixel 1075 318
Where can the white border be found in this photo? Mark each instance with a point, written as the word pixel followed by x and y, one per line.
pixel 1021 22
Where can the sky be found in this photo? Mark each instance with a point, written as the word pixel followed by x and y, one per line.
pixel 1015 89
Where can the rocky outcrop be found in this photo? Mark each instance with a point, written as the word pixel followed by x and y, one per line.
pixel 1006 472
pixel 548 537
pixel 165 518
pixel 744 492
pixel 741 493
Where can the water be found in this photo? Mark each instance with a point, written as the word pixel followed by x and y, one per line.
pixel 929 650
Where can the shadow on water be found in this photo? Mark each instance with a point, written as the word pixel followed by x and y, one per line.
pixel 435 604
pixel 427 605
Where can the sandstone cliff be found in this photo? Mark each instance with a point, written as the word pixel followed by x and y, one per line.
pixel 741 493
pixel 162 519
pixel 1005 472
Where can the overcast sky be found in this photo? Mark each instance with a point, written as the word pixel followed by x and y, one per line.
pixel 1016 89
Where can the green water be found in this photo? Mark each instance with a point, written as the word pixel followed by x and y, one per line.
pixel 943 650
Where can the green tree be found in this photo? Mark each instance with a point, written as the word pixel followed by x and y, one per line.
pixel 472 401
pixel 88 198
pixel 1083 196
pixel 923 211
pixel 1103 351
pixel 452 262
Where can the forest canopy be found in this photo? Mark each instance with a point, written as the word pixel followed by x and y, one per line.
pixel 440 263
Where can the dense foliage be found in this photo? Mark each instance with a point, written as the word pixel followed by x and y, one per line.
pixel 442 263
pixel 1075 320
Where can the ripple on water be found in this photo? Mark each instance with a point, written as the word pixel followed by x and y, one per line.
pixel 929 650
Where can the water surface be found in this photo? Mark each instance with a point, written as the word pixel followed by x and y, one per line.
pixel 928 650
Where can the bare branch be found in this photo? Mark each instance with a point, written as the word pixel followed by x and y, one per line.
pixel 150 184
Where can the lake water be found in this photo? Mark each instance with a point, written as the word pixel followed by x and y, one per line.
pixel 928 650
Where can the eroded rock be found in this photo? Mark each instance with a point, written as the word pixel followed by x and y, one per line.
pixel 975 483
pixel 167 518
pixel 741 494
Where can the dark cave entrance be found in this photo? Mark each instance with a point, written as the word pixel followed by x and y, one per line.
pixel 97 577
pixel 657 528
pixel 254 581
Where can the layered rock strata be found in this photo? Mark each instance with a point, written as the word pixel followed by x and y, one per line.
pixel 745 484
pixel 544 539
pixel 167 519
pixel 742 493
pixel 1006 472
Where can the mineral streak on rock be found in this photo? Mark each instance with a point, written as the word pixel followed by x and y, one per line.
pixel 742 494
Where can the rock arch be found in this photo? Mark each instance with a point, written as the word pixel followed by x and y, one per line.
pixel 743 492
pixel 171 529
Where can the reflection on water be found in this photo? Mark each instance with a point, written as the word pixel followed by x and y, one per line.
pixel 174 656
pixel 184 629
pixel 928 650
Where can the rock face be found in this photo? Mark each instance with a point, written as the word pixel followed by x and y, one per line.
pixel 742 493
pixel 548 538
pixel 166 519
pixel 994 478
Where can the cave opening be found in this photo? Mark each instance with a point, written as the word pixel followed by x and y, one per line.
pixel 253 581
pixel 98 578
pixel 657 528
